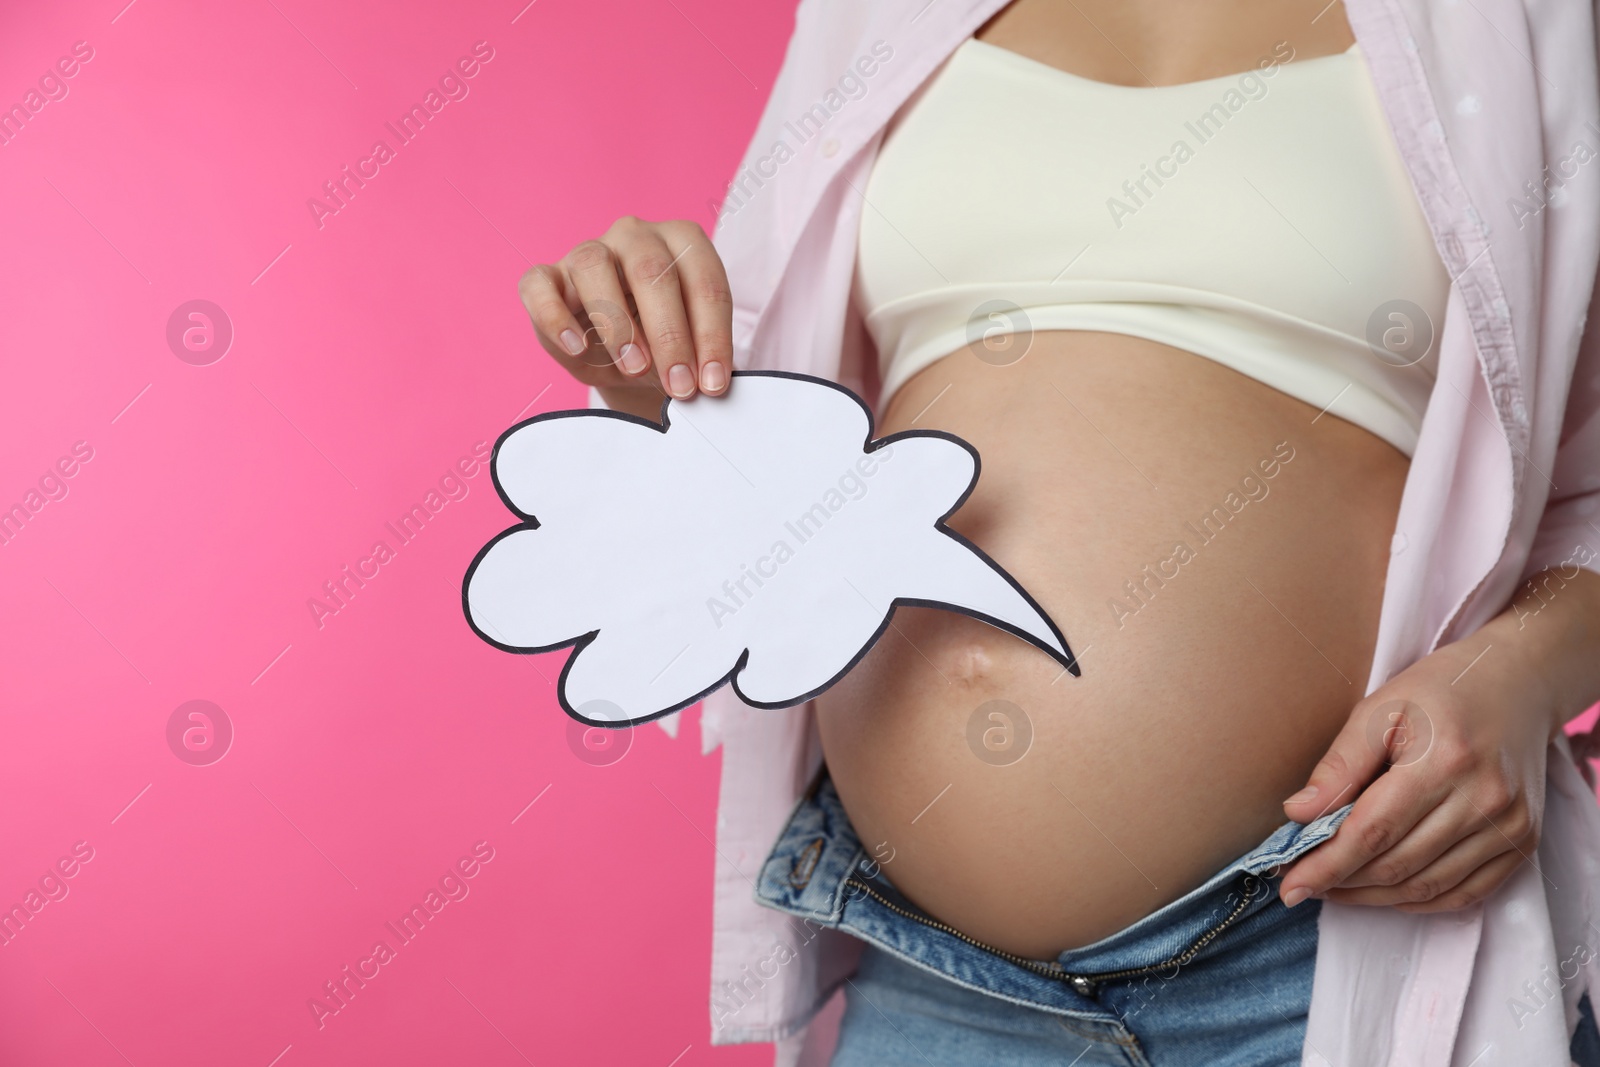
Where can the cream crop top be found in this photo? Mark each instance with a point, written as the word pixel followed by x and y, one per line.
pixel 1262 220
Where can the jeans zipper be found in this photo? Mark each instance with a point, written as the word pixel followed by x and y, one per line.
pixel 1084 984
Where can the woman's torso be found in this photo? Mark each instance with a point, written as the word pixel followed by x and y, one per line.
pixel 1213 676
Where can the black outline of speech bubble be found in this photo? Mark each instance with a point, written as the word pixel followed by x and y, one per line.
pixel 580 642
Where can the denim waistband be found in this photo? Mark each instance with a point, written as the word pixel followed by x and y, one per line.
pixel 819 871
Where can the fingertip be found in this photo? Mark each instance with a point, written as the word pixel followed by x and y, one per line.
pixel 1309 793
pixel 1306 805
pixel 632 360
pixel 713 377
pixel 572 342
pixel 680 381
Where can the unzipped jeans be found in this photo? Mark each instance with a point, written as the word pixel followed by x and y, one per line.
pixel 1220 977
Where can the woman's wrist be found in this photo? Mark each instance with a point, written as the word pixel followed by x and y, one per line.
pixel 1551 632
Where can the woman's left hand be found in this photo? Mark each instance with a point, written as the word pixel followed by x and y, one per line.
pixel 1465 732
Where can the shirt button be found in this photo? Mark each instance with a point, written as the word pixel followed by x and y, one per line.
pixel 830 148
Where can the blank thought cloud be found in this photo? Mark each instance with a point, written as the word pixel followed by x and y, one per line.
pixel 763 540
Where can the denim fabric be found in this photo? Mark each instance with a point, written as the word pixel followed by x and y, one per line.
pixel 1220 977
pixel 1585 1050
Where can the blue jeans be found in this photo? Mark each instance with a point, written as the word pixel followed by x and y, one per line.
pixel 1220 977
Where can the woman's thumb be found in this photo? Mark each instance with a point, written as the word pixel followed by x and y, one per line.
pixel 1351 762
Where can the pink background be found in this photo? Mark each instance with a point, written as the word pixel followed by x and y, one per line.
pixel 369 354
pixel 367 358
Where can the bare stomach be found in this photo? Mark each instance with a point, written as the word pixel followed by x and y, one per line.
pixel 1215 554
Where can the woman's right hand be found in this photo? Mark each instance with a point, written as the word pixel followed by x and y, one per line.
pixel 643 311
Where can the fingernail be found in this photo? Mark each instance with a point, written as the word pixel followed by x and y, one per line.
pixel 572 342
pixel 633 360
pixel 680 380
pixel 712 377
pixel 1308 793
pixel 1295 896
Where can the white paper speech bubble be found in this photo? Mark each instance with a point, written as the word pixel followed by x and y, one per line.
pixel 762 538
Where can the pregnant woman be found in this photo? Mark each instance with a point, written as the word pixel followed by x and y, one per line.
pixel 1210 315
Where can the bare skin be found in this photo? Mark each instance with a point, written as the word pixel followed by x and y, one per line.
pixel 1237 680
pixel 1156 42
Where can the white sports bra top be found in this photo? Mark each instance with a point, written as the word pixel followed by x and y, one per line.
pixel 1262 220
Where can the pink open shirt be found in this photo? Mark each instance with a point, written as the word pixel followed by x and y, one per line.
pixel 1505 481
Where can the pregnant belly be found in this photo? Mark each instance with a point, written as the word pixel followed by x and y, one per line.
pixel 1214 552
